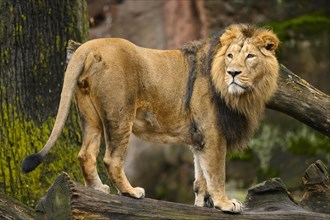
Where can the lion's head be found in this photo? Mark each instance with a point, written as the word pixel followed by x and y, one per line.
pixel 244 68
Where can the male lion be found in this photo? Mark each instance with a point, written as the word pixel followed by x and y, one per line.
pixel 209 95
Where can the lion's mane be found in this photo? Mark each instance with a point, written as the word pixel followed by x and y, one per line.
pixel 237 116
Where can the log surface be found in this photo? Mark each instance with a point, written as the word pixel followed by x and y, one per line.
pixel 268 200
pixel 12 209
pixel 316 183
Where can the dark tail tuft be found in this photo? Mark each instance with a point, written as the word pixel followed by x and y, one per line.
pixel 31 162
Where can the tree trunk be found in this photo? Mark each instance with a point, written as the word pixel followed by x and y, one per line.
pixel 300 100
pixel 268 200
pixel 33 40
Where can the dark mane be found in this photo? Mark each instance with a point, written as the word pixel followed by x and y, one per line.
pixel 232 124
pixel 190 50
pixel 214 46
pixel 248 30
pixel 204 64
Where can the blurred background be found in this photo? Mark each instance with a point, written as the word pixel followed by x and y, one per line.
pixel 282 147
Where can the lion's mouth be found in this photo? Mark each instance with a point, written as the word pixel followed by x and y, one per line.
pixel 236 88
pixel 235 83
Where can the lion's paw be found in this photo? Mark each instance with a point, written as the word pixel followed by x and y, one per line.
pixel 204 201
pixel 137 193
pixel 103 188
pixel 199 200
pixel 232 206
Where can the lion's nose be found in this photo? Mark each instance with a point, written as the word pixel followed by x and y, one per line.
pixel 233 73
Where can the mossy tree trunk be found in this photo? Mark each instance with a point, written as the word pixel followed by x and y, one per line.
pixel 33 40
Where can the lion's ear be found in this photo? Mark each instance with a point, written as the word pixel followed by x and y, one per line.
pixel 268 40
pixel 230 34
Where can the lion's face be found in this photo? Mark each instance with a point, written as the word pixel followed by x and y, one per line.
pixel 245 64
pixel 241 67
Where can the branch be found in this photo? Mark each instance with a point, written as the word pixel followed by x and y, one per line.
pixel 300 100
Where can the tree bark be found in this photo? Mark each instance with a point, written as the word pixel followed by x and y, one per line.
pixel 33 40
pixel 300 100
pixel 316 183
pixel 69 200
pixel 12 209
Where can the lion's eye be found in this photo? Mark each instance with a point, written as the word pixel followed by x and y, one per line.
pixel 250 56
pixel 230 56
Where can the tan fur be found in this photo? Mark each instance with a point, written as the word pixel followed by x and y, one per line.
pixel 126 89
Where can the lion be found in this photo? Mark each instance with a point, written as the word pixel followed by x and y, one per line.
pixel 209 95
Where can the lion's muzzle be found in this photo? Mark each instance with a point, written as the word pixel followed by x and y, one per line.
pixel 233 73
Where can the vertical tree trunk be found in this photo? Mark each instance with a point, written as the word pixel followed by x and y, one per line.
pixel 33 40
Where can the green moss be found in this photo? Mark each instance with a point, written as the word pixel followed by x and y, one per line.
pixel 11 9
pixel 310 24
pixel 23 17
pixel 2 28
pixel 58 43
pixel 20 138
pixel 5 56
pixel 18 28
pixel 20 135
pixel 41 56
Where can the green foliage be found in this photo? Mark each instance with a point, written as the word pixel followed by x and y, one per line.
pixel 247 155
pixel 268 138
pixel 301 141
pixel 308 142
pixel 309 24
pixel 267 172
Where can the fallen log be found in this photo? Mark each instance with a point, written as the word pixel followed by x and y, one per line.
pixel 316 183
pixel 67 199
pixel 294 97
pixel 12 209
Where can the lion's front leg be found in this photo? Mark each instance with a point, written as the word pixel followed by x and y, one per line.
pixel 212 161
pixel 200 187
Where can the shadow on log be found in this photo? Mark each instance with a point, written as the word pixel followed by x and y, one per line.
pixel 268 200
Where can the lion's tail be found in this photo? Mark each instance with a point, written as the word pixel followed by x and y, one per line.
pixel 74 69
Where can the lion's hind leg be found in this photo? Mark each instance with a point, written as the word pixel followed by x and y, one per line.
pixel 91 137
pixel 88 158
pixel 116 137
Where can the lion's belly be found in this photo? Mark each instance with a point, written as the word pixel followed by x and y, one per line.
pixel 151 128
